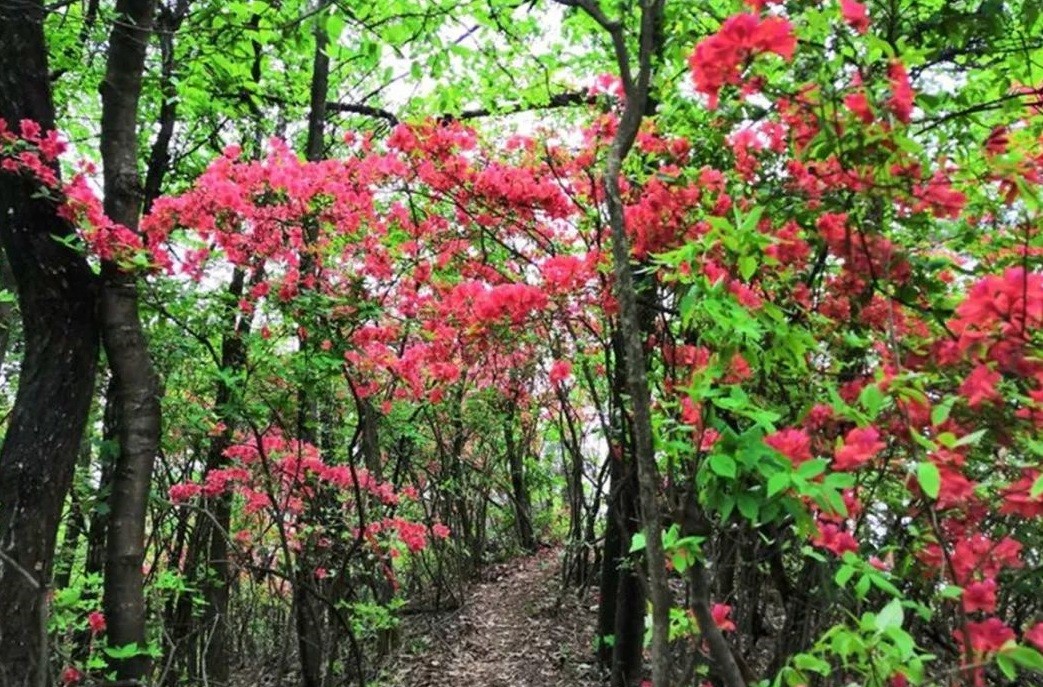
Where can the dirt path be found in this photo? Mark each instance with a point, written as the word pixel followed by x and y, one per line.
pixel 508 634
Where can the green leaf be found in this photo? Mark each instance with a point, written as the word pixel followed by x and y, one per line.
pixel 811 663
pixel 778 482
pixel 747 266
pixel 1037 488
pixel 637 543
pixel 844 575
pixel 929 478
pixel 973 438
pixel 749 222
pixel 1025 656
pixel 889 616
pixel 748 506
pixel 680 560
pixel 872 399
pixel 835 502
pixel 940 413
pixel 1006 666
pixel 67 597
pixel 723 465
pixel 839 480
pixel 125 651
pixel 882 583
pixel 812 468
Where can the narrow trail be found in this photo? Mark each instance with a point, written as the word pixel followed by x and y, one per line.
pixel 508 634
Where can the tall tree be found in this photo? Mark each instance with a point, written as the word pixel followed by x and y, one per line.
pixel 56 294
pixel 135 381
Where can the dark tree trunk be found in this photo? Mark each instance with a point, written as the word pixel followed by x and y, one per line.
pixel 608 591
pixel 320 77
pixel 309 614
pixel 168 23
pixel 624 615
pixel 97 531
pixel 125 344
pixel 56 296
pixel 76 518
pixel 520 494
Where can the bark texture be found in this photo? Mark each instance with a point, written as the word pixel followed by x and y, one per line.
pixel 56 296
pixel 126 347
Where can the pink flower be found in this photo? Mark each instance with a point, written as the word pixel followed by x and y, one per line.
pixel 795 444
pixel 30 129
pixel 980 596
pixel 860 446
pixel 96 622
pixel 560 371
pixel 718 59
pixel 834 539
pixel 902 95
pixel 980 386
pixel 986 637
pixel 721 619
pixel 855 15
pixel 179 493
pixel 1034 635
pixel 440 531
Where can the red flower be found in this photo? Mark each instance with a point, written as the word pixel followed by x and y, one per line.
pixel 1017 498
pixel 440 531
pixel 855 15
pixel 179 493
pixel 71 676
pixel 858 103
pixel 96 622
pixel 1034 635
pixel 860 446
pixel 560 371
pixel 980 596
pixel 980 386
pixel 795 444
pixel 997 141
pixel 721 619
pixel 832 538
pixel 718 59
pixel 901 100
pixel 987 636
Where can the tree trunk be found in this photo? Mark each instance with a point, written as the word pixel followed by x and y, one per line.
pixel 309 614
pixel 125 344
pixel 637 89
pixel 629 621
pixel 208 543
pixel 168 23
pixel 56 296
pixel 522 505
pixel 76 518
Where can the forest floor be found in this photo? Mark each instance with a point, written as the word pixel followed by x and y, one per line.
pixel 510 632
